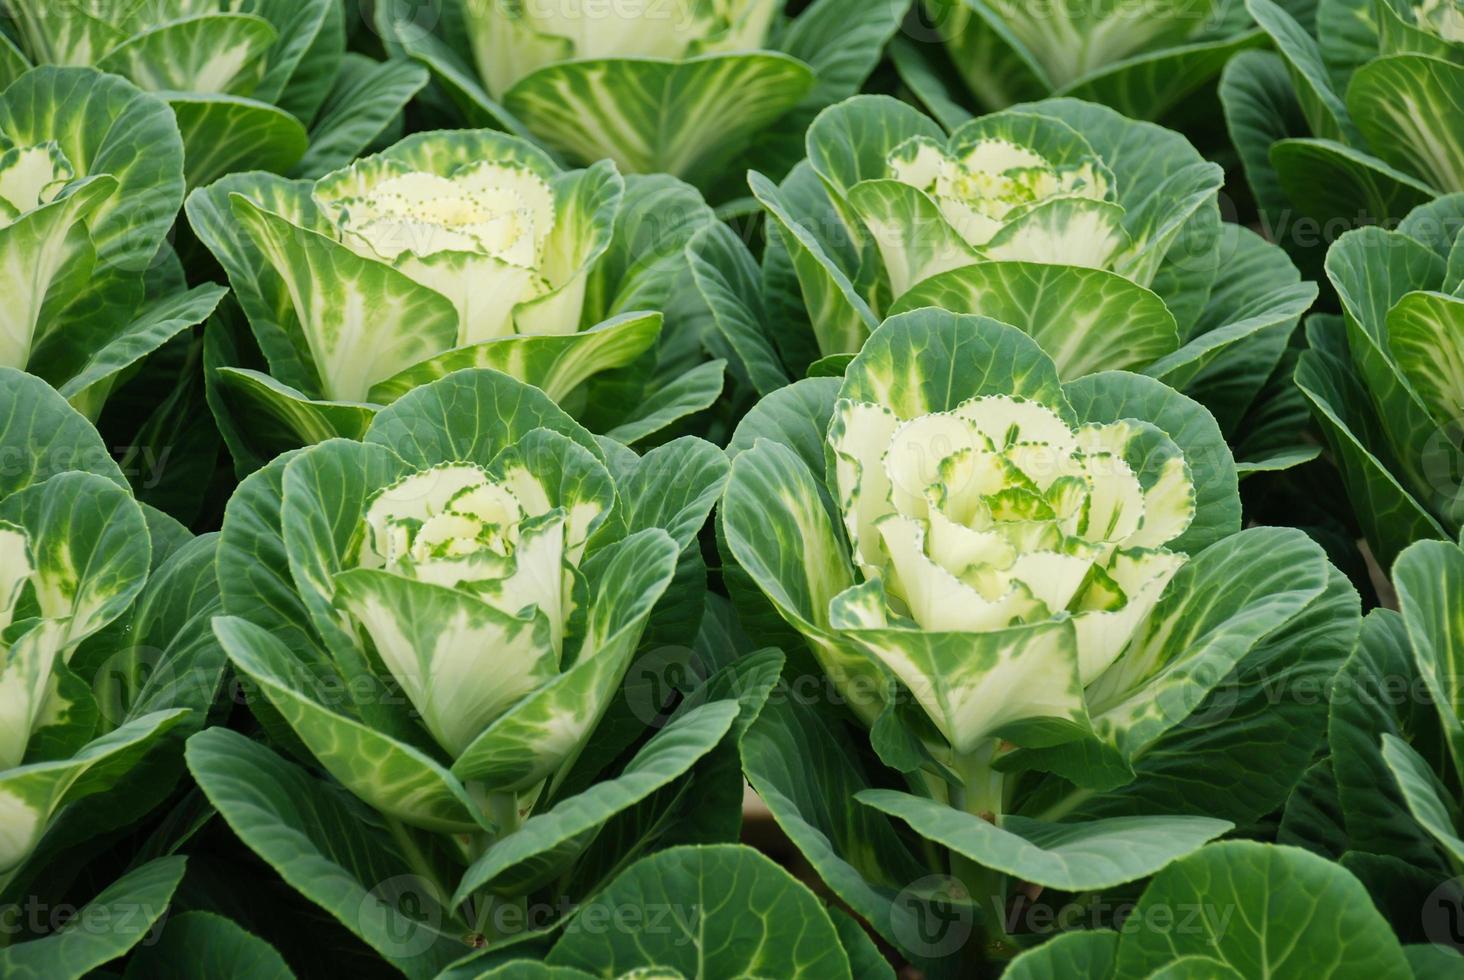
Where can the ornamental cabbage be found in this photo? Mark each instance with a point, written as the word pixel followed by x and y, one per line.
pixel 1024 587
pixel 459 597
pixel 1383 378
pixel 448 250
pixel 1355 120
pixel 1099 236
pixel 255 84
pixel 691 89
pixel 91 178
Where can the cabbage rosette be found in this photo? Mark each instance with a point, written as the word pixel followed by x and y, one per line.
pixel 82 221
pixel 459 596
pixel 1023 585
pixel 1098 235
pixel 1383 378
pixel 689 88
pixel 262 84
pixel 1354 119
pixel 75 553
pixel 447 251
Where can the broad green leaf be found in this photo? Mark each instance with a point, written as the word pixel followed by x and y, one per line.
pixel 1338 186
pixel 155 325
pixel 866 960
pixel 32 794
pixel 363 320
pixel 282 418
pixel 261 291
pixel 1087 953
pixel 1085 319
pixel 549 841
pixel 1409 108
pixel 1391 517
pixel 685 118
pixel 131 906
pixel 1318 919
pixel 105 125
pixel 301 56
pixel 469 416
pixel 1113 395
pixel 13 62
pixel 225 133
pixel 1429 577
pixel 996 66
pixel 1238 755
pixel 393 777
pixel 457 77
pixel 43 436
pixel 1430 962
pixel 729 283
pixel 316 839
pixel 840 317
pixel 797 416
pixel 1325 112
pixel 1426 796
pixel 365 100
pixel 1082 856
pixel 556 364
pixel 1313 817
pixel 751 918
pixel 201 945
pixel 694 391
pixel 672 487
pixel 545 731
pixel 1148 85
pixel 930 361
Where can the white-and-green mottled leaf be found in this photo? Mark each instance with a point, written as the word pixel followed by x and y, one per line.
pixel 106 125
pixel 222 53
pixel 1410 108
pixel 1085 319
pixel 395 778
pixel 1426 339
pixel 546 731
pixel 686 118
pixel 280 417
pixel 914 239
pixel 555 363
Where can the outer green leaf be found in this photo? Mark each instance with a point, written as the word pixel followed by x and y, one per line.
pixel 1072 954
pixel 1427 798
pixel 751 919
pixel 547 842
pixel 207 946
pixel 1430 580
pixel 1318 921
pixel 1087 320
pixel 1325 112
pixel 1410 107
pixel 694 391
pixel 130 905
pixel 315 839
pixel 42 436
pixel 365 100
pixel 395 778
pixel 1069 856
pixel 729 283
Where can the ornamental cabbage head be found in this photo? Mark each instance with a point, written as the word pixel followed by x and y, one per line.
pixel 1050 571
pixel 91 178
pixel 466 588
pixel 75 554
pixel 693 88
pixel 1376 131
pixel 1382 379
pixel 446 251
pixel 1098 235
pixel 253 83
